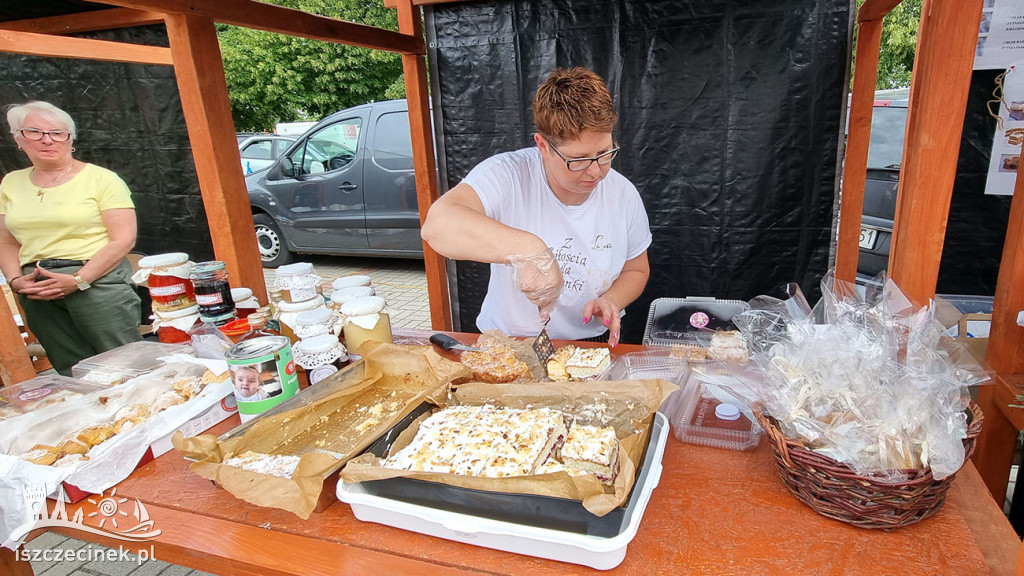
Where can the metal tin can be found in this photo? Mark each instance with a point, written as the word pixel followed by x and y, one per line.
pixel 263 374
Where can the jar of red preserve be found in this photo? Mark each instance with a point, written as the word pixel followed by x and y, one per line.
pixel 168 281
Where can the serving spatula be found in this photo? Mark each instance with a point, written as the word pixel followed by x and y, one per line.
pixel 542 345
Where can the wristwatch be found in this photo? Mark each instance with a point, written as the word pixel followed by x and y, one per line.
pixel 82 284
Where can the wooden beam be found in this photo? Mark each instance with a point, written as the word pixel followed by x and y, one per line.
pixel 938 99
pixel 394 3
pixel 211 131
pixel 1006 338
pixel 58 46
pixel 12 565
pixel 865 75
pixel 414 67
pixel 875 10
pixel 85 21
pixel 15 363
pixel 272 18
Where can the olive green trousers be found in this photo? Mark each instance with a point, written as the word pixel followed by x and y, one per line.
pixel 87 322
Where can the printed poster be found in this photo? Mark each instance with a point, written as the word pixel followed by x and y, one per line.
pixel 1000 35
pixel 1006 146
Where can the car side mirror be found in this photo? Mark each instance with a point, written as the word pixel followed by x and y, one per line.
pixel 288 168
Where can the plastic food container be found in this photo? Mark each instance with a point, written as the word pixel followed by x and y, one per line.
pixel 601 552
pixel 711 415
pixel 298 282
pixel 365 319
pixel 41 391
pixel 689 321
pixel 124 362
pixel 167 277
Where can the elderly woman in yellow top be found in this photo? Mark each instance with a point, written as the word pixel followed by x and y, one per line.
pixel 65 229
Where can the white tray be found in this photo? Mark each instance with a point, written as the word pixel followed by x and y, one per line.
pixel 593 551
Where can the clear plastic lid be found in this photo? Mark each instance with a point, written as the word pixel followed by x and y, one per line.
pixel 125 362
pixel 42 391
pixel 350 281
pixel 296 269
pixel 339 297
pixel 163 260
pixel 689 321
pixel 362 306
pixel 711 415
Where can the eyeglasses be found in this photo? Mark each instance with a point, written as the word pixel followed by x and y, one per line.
pixel 55 135
pixel 581 164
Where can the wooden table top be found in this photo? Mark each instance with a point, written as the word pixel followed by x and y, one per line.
pixel 715 512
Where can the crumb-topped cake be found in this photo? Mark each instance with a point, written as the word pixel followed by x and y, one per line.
pixel 496 363
pixel 482 441
pixel 556 364
pixel 282 466
pixel 588 363
pixel 592 449
pixel 728 346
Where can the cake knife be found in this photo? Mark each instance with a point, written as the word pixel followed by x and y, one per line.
pixel 448 343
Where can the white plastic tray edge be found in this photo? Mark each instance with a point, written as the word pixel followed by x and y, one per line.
pixel 593 551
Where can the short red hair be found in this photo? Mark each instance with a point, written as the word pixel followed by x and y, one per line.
pixel 572 101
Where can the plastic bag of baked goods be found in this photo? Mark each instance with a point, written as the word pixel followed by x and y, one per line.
pixel 867 378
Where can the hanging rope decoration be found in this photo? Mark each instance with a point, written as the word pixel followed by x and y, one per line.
pixel 998 97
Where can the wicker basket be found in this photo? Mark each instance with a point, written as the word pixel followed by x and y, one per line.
pixel 834 490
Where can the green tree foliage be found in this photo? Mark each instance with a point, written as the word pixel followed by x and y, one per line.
pixel 276 78
pixel 899 40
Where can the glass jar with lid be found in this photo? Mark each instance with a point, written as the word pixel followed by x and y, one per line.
pixel 339 297
pixel 245 302
pixel 320 356
pixel 314 322
pixel 213 293
pixel 173 327
pixel 365 319
pixel 351 282
pixel 298 282
pixel 288 313
pixel 167 277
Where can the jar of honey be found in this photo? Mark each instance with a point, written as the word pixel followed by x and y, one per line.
pixel 339 297
pixel 314 322
pixel 320 356
pixel 365 319
pixel 298 282
pixel 167 276
pixel 289 313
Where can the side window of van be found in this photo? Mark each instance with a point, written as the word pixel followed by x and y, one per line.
pixel 392 145
pixel 331 148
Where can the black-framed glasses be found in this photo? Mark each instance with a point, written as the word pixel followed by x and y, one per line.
pixel 581 164
pixel 55 135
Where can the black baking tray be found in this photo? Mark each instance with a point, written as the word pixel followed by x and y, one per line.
pixel 526 509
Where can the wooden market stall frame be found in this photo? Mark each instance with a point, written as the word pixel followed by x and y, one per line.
pixel 195 54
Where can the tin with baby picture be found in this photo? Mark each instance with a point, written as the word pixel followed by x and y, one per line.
pixel 263 374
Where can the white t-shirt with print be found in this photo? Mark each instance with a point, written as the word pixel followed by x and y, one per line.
pixel 592 241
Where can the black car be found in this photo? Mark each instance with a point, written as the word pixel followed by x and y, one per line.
pixel 885 153
pixel 345 187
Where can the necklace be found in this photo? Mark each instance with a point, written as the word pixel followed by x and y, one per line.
pixel 53 181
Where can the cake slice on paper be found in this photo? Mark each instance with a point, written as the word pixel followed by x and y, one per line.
pixel 592 449
pixel 588 363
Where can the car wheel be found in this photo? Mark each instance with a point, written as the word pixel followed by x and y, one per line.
pixel 274 251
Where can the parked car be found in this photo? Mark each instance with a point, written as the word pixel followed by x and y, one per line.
pixel 259 151
pixel 885 154
pixel 345 187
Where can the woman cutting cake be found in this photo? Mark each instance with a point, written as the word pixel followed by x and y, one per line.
pixel 562 230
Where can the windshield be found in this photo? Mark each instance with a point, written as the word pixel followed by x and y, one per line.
pixel 887 132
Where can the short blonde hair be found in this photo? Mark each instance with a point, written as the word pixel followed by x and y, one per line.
pixel 16 114
pixel 572 101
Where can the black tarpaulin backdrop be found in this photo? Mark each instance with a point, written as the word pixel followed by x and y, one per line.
pixel 729 125
pixel 129 119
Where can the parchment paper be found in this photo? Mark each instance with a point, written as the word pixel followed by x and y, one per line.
pixel 628 405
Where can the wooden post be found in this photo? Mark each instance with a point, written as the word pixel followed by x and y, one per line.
pixel 946 41
pixel 865 75
pixel 15 363
pixel 204 100
pixel 1005 354
pixel 418 98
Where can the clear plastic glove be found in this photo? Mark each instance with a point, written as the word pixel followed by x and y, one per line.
pixel 539 278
